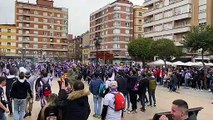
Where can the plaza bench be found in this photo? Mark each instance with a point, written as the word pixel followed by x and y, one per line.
pixel 192 114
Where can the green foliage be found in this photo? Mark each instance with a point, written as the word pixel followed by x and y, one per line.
pixel 164 48
pixel 199 38
pixel 141 49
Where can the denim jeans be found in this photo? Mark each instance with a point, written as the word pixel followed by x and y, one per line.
pixel 152 96
pixel 19 109
pixel 97 104
pixel 2 116
pixel 143 98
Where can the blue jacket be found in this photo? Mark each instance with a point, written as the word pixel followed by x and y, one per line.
pixel 94 86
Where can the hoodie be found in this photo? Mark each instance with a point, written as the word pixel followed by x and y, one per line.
pixel 9 81
pixel 20 88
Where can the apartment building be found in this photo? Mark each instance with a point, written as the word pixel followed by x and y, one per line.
pixel 70 46
pixel 138 21
pixel 7 40
pixel 77 48
pixel 85 47
pixel 42 29
pixel 112 23
pixel 173 18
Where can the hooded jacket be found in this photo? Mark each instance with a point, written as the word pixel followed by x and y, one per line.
pixel 75 106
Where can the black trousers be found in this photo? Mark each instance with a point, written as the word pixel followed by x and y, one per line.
pixel 10 107
pixel 133 100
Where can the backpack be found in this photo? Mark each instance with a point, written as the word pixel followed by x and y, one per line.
pixel 152 85
pixel 119 101
pixel 46 88
pixel 102 89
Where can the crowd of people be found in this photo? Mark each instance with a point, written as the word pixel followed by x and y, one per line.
pixel 116 89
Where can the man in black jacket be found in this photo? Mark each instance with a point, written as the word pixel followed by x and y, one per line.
pixel 143 86
pixel 9 81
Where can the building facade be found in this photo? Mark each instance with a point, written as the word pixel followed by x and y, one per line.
pixel 112 23
pixel 85 47
pixel 42 29
pixel 138 21
pixel 7 40
pixel 173 18
pixel 70 46
pixel 78 48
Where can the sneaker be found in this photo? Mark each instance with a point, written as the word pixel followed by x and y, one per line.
pixel 132 112
pixel 94 115
pixel 149 105
pixel 154 105
pixel 26 115
pixel 10 115
pixel 29 113
pixel 98 116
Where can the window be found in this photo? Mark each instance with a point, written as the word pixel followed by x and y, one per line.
pixel 19 45
pixel 8 37
pixel 139 13
pixel 116 31
pixel 117 23
pixel 58 21
pixel 20 24
pixel 44 46
pixel 139 21
pixel 45 27
pixel 139 35
pixel 51 45
pixel 45 33
pixel 117 15
pixel 139 28
pixel 51 40
pixel 158 27
pixel 127 24
pixel 8 50
pixel 45 20
pixel 27 25
pixel 44 39
pixel 183 9
pixel 45 14
pixel 35 19
pixel 36 12
pixel 20 11
pixel 35 39
pixel 36 26
pixel 158 16
pixel 127 9
pixel 168 26
pixel 58 40
pixel 20 18
pixel 116 38
pixel 127 31
pixel 117 8
pixel 202 9
pixel 58 15
pixel 116 46
pixel 35 45
pixel 35 32
pixel 8 44
pixel 20 31
pixel 20 38
pixel 8 30
pixel 58 28
pixel 168 13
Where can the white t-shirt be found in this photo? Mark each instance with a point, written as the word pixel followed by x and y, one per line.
pixel 109 101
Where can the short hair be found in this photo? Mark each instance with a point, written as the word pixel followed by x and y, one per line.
pixel 12 71
pixel 2 79
pixel 181 103
pixel 21 75
pixel 78 85
pixel 45 74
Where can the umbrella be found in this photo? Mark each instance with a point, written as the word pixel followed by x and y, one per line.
pixel 178 63
pixel 159 62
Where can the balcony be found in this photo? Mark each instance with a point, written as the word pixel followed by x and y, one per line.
pixel 169 19
pixel 149 2
pixel 179 29
pixel 168 7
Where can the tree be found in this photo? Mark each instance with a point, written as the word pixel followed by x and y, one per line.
pixel 164 49
pixel 200 37
pixel 140 49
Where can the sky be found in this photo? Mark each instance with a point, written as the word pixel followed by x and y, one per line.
pixel 79 12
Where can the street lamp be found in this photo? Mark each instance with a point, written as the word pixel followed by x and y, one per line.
pixel 97 40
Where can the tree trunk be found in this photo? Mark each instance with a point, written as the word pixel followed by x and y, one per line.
pixel 205 71
pixel 164 63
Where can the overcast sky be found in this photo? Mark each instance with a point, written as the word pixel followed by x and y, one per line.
pixel 79 11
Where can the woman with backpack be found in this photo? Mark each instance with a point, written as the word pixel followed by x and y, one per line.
pixel 50 111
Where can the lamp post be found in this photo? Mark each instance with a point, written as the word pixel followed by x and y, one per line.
pixel 97 40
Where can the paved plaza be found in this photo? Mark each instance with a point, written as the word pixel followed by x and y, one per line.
pixel 164 100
